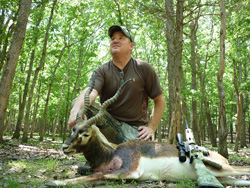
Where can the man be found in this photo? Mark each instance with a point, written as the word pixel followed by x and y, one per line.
pixel 128 120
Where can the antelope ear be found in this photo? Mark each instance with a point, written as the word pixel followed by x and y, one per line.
pixel 103 138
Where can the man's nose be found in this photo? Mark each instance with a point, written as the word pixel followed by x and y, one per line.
pixel 115 40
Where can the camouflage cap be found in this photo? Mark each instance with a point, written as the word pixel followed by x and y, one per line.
pixel 126 32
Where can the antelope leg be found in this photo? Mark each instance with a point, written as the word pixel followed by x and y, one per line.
pixel 233 181
pixel 72 181
pixel 96 176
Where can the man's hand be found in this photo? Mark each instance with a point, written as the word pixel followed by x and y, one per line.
pixel 72 119
pixel 146 133
pixel 79 103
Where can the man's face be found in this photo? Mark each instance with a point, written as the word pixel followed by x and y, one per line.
pixel 120 44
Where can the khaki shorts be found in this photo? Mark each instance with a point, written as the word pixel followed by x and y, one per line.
pixel 114 130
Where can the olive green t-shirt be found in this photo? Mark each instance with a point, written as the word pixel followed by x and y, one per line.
pixel 131 106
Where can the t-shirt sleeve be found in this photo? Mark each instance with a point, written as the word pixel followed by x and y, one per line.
pixel 152 83
pixel 99 80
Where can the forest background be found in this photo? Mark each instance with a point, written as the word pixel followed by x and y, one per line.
pixel 199 49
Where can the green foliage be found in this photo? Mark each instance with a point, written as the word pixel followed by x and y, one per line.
pixel 82 27
pixel 52 164
pixel 12 182
pixel 187 183
pixel 235 157
pixel 81 158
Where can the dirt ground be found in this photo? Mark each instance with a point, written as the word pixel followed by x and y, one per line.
pixel 37 163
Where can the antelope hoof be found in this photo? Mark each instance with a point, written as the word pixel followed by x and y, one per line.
pixel 56 183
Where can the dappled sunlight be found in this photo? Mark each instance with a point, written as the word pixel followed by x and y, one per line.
pixel 20 151
pixel 22 165
pixel 17 166
pixel 49 49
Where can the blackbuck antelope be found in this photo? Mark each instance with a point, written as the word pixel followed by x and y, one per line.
pixel 139 160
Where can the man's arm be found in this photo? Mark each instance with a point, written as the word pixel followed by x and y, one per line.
pixel 79 104
pixel 148 132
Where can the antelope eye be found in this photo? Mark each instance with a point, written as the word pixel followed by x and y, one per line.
pixel 74 129
pixel 81 131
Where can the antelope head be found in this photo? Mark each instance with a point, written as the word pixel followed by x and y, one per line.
pixel 85 134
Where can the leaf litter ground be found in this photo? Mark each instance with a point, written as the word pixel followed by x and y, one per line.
pixel 37 163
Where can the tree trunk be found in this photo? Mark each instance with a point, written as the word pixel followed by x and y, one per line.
pixel 159 131
pixel 174 36
pixel 41 64
pixel 184 107
pixel 194 123
pixel 202 124
pixel 12 60
pixel 21 113
pixel 26 89
pixel 49 91
pixel 204 99
pixel 48 96
pixel 211 131
pixel 19 121
pixel 242 124
pixel 231 133
pixel 246 108
pixel 249 132
pixel 8 124
pixel 6 41
pixel 35 112
pixel 58 111
pixel 65 125
pixel 239 107
pixel 170 36
pixel 222 112
pixel 231 130
pixel 246 111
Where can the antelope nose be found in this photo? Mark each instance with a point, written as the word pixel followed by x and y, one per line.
pixel 64 147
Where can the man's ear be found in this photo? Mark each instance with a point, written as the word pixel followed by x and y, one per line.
pixel 131 45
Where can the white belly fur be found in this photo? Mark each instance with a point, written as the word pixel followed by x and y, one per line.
pixel 170 169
